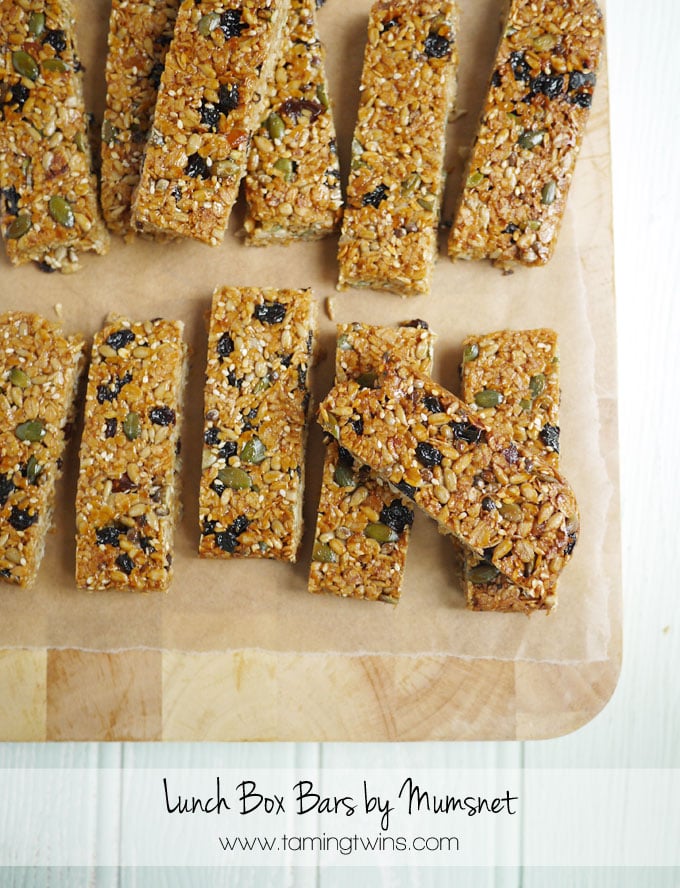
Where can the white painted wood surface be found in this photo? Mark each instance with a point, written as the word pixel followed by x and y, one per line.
pixel 640 728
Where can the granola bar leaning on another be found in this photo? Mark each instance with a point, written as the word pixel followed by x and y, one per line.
pixel 426 443
pixel 293 180
pixel 532 125
pixel 39 372
pixel 363 528
pixel 48 211
pixel 511 382
pixel 210 100
pixel 139 36
pixel 408 85
pixel 127 502
pixel 256 408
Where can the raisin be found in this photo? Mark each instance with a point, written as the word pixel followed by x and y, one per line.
pixel 240 525
pixel 45 268
pixel 176 192
pixel 432 404
pixel 467 431
pixel 375 197
pixel 229 97
pixel 125 563
pixel 357 425
pixel 228 450
pixel 248 419
pixel 197 166
pixel 155 74
pixel 11 196
pixel 510 228
pixel 572 537
pixel 226 541
pixel 124 484
pixel 145 544
pixel 496 78
pixel 286 360
pixel 217 486
pixel 231 24
pixel 56 39
pixel 511 455
pixel 407 489
pixel 579 79
pixel 437 46
pixel 19 95
pixel 345 458
pixel 6 487
pixel 488 505
pixel 302 376
pixel 233 380
pixel 210 115
pixel 111 391
pixel 208 526
pixel 549 85
pixel 550 435
pixel 520 66
pixel 417 323
pixel 270 312
pixel 581 99
pixel 162 416
pixel 428 455
pixel 396 516
pixel 120 338
pixel 6 573
pixel 293 109
pixel 390 23
pixel 21 520
pixel 108 536
pixel 225 346
pixel 212 436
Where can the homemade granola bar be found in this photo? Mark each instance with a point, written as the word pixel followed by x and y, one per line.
pixel 389 231
pixel 39 371
pixel 49 207
pixel 362 528
pixel 127 501
pixel 256 405
pixel 210 100
pixel 523 159
pixel 139 35
pixel 293 180
pixel 428 444
pixel 511 382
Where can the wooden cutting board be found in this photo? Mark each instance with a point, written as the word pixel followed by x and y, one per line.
pixel 74 689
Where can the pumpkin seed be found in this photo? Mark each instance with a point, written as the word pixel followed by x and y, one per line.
pixel 488 398
pixel 253 451
pixel 60 210
pixel 36 23
pixel 470 352
pixel 526 404
pixel 81 141
pixel 381 533
pixel 262 385
pixel 511 512
pixel 475 179
pixel 344 476
pixel 19 227
pixel 321 95
pixel 19 377
pixel 482 573
pixel 332 426
pixel 235 478
pixel 109 132
pixel 343 342
pixel 410 183
pixel 537 384
pixel 275 126
pixel 25 64
pixel 32 431
pixel 131 426
pixel 549 192
pixel 530 139
pixel 208 23
pixel 426 204
pixel 55 65
pixel 33 469
pixel 323 552
pixel 285 165
pixel 533 225
pixel 367 380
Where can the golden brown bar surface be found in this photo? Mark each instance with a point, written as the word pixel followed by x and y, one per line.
pixel 39 371
pixel 363 528
pixel 127 502
pixel 408 84
pixel 424 441
pixel 511 382
pixel 532 125
pixel 256 405
pixel 48 211
pixel 209 102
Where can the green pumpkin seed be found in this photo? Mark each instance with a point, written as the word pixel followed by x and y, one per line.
pixel 208 23
pixel 32 431
pixel 321 95
pixel 131 426
pixel 475 179
pixel 275 126
pixel 109 132
pixel 332 426
pixel 533 225
pixel 36 23
pixel 482 573
pixel 19 227
pixel 25 64
pixel 344 476
pixel 60 210
pixel 426 204
pixel 285 165
pixel 19 377
pixel 381 533
pixel 410 183
pixel 511 512
pixel 470 352
pixel 33 469
pixel 253 451
pixel 526 404
pixel 488 398
pixel 344 343
pixel 367 380
pixel 530 139
pixel 537 385
pixel 235 478
pixel 81 142
pixel 323 552
pixel 548 193
pixel 262 385
pixel 55 65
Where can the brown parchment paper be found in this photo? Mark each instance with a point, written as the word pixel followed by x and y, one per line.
pixel 222 606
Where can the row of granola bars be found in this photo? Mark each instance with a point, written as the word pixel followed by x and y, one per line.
pixel 204 93
pixel 483 467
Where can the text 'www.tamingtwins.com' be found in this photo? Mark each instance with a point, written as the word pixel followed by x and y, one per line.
pixel 348 844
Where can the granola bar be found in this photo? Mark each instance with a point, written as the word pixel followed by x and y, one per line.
pixel 389 231
pixel 293 181
pixel 363 529
pixel 209 102
pixel 127 502
pixel 511 381
pixel 523 159
pixel 49 207
pixel 256 405
pixel 428 444
pixel 139 36
pixel 39 372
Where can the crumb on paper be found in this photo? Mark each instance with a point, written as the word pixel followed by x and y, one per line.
pixel 59 310
pixel 329 308
pixel 666 630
